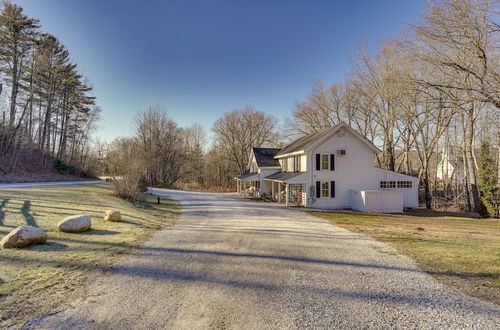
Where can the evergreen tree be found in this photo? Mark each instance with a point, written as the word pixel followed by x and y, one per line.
pixel 488 181
pixel 17 36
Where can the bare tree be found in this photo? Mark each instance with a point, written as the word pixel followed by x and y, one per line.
pixel 161 146
pixel 236 132
pixel 459 42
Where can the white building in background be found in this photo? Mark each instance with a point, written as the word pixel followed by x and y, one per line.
pixel 331 169
pixel 450 167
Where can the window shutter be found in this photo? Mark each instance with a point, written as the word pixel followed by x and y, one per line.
pixel 332 162
pixel 318 189
pixel 318 162
pixel 332 189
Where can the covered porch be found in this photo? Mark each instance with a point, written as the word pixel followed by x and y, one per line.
pixel 248 185
pixel 288 188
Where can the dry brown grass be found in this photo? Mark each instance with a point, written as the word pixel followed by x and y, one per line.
pixel 463 252
pixel 38 280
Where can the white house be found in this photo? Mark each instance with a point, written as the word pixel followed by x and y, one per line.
pixel 261 164
pixel 331 169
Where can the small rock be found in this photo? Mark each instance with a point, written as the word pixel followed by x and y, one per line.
pixel 420 229
pixel 112 215
pixel 23 236
pixel 75 223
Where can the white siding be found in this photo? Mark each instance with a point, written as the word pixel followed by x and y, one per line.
pixel 265 186
pixel 303 163
pixel 383 201
pixel 289 161
pixel 352 171
pixel 410 195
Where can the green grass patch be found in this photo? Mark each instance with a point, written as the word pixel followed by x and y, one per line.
pixel 37 280
pixel 462 252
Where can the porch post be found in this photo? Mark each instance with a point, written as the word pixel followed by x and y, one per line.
pixel 244 189
pixel 286 194
pixel 279 192
pixel 272 191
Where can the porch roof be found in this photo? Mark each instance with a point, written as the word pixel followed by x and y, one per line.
pixel 248 177
pixel 288 177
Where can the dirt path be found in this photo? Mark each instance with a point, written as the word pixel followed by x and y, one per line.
pixel 231 263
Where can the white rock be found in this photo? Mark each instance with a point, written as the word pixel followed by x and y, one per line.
pixel 24 236
pixel 75 223
pixel 112 215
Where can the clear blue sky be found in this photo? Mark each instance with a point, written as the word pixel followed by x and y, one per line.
pixel 203 58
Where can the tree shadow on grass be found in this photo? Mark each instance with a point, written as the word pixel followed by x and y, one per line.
pixel 25 210
pixel 49 246
pixel 98 232
pixel 2 213
pixel 135 223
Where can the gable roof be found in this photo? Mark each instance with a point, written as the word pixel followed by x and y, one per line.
pixel 303 142
pixel 265 157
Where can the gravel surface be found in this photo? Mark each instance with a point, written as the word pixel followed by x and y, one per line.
pixel 238 264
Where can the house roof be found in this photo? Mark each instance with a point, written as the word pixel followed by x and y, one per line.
pixel 247 176
pixel 396 173
pixel 265 157
pixel 285 176
pixel 302 143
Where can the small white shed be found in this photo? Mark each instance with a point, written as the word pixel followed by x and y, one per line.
pixel 380 201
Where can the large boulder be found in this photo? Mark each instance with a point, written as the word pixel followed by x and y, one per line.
pixel 24 236
pixel 75 223
pixel 112 215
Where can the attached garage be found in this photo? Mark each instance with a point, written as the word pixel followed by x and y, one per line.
pixel 380 201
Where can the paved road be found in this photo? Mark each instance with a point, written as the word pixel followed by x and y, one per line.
pixel 236 264
pixel 55 183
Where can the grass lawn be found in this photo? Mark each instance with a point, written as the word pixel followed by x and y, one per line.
pixel 462 252
pixel 39 279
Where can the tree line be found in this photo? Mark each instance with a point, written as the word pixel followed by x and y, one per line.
pixel 48 111
pixel 435 87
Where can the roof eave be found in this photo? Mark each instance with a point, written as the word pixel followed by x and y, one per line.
pixel 295 153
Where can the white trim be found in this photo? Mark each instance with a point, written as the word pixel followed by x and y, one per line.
pixel 295 153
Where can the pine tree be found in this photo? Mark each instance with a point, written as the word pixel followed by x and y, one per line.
pixel 17 36
pixel 488 180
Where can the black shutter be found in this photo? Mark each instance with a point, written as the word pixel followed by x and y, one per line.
pixel 332 162
pixel 318 189
pixel 332 189
pixel 318 162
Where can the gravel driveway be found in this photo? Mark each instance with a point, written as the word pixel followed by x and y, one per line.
pixel 233 263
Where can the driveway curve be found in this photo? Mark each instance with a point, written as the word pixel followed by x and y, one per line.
pixel 230 263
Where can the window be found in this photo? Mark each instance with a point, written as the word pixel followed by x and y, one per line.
pixel 324 189
pixel 296 163
pixel 324 162
pixel 394 184
pixel 284 163
pixel 387 184
pixel 404 184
